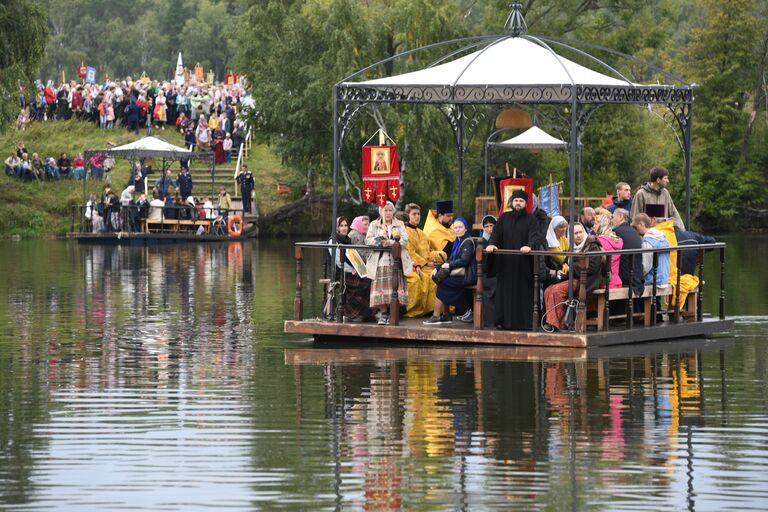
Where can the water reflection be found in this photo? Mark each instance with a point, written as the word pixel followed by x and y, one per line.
pixel 473 431
pixel 158 378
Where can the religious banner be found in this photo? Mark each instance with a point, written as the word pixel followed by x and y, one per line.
pixel 81 71
pixel 509 185
pixel 231 78
pixel 381 174
pixel 198 72
pixel 549 199
pixel 179 76
pixel 90 75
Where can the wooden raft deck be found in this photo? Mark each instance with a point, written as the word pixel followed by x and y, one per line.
pixel 411 329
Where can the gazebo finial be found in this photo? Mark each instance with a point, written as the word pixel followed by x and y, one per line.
pixel 515 24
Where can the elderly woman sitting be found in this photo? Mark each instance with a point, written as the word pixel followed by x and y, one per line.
pixel 556 295
pixel 387 231
pixel 557 240
pixel 461 268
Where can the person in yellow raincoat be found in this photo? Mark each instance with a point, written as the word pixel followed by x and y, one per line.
pixel 438 230
pixel 688 282
pixel 421 288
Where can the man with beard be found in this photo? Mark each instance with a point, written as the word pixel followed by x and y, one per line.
pixel 438 229
pixel 587 219
pixel 515 230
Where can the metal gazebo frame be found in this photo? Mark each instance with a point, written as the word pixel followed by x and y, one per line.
pixel 167 156
pixel 583 99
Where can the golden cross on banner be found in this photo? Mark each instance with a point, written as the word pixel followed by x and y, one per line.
pixel 382 196
pixel 368 193
pixel 393 189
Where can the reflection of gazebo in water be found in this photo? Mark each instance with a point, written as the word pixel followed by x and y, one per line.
pixel 511 69
pixel 152 148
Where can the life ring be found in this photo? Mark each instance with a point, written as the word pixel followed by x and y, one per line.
pixel 235 225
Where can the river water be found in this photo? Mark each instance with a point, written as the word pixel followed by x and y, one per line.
pixel 159 379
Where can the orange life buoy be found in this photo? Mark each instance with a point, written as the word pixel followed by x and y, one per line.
pixel 235 225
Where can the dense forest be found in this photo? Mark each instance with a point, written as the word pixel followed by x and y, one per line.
pixel 293 51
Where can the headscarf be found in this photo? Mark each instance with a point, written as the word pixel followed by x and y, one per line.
pixel 191 200
pixel 603 227
pixel 357 223
pixel 458 241
pixel 337 237
pixel 580 247
pixel 552 240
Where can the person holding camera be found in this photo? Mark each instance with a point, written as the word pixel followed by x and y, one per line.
pixel 387 231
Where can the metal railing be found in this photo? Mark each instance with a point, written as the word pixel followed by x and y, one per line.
pixel 152 219
pixel 582 259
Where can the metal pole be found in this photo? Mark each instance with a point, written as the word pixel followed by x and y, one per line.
pixel 687 138
pixel 460 149
pixel 572 183
pixel 336 155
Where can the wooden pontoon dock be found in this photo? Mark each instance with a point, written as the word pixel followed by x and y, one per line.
pixel 686 322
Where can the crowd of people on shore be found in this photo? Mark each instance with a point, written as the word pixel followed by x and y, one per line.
pixel 205 114
pixel 438 268
pixel 31 167
pixel 169 199
pixel 134 103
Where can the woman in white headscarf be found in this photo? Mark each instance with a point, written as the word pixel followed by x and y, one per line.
pixel 557 240
pixel 203 134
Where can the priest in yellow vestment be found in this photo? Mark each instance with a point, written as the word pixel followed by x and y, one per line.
pixel 421 288
pixel 438 229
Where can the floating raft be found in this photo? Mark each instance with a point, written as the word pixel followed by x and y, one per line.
pixel 411 329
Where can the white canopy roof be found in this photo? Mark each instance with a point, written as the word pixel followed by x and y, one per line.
pixel 507 61
pixel 533 138
pixel 150 143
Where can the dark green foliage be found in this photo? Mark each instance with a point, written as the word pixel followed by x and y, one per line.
pixel 23 34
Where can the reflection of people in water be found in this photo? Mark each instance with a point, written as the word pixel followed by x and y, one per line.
pixel 380 164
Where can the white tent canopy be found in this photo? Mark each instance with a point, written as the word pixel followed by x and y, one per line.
pixel 508 61
pixel 150 143
pixel 533 138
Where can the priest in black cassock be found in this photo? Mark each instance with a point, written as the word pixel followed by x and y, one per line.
pixel 516 229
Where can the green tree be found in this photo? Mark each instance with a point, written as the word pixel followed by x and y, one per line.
pixel 723 57
pixel 23 35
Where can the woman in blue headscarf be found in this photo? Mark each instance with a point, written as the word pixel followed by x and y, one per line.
pixel 461 268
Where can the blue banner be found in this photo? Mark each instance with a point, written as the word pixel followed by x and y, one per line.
pixel 549 200
pixel 90 75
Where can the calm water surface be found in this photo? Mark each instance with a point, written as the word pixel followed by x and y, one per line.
pixel 159 379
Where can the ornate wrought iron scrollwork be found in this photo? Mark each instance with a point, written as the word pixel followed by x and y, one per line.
pixel 346 118
pixel 552 94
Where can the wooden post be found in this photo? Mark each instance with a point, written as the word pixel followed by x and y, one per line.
pixel 477 314
pixel 581 315
pixel 607 309
pixel 340 279
pixel 654 271
pixel 700 295
pixel 397 266
pixel 722 283
pixel 298 304
pixel 536 312
pixel 677 287
pixel 630 292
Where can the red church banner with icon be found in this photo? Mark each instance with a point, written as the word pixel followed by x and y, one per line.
pixel 381 174
pixel 508 185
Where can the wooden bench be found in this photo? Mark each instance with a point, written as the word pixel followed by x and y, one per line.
pixel 175 225
pixel 623 294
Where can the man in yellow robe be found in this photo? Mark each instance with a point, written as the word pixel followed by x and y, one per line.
pixel 438 229
pixel 421 288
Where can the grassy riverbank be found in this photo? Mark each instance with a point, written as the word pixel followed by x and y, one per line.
pixel 43 209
